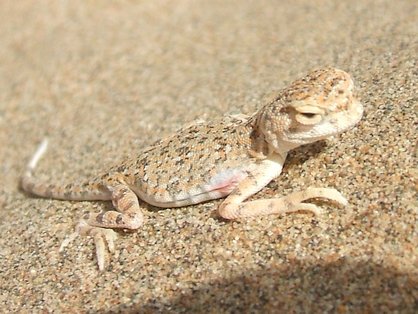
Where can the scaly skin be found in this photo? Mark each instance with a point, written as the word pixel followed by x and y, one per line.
pixel 235 157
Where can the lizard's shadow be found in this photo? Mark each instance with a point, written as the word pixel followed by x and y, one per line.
pixel 300 155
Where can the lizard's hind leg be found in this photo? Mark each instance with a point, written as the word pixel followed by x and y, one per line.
pixel 128 216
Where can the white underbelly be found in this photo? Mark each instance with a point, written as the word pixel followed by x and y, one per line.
pixel 220 185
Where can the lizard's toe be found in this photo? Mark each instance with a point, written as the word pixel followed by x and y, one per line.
pixel 326 193
pixel 102 237
pixel 309 207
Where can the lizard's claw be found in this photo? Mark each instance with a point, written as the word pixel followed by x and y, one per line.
pixel 101 236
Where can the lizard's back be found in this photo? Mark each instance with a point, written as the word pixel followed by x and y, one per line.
pixel 198 163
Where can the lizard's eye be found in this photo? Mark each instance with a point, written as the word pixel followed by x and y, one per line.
pixel 308 114
pixel 308 118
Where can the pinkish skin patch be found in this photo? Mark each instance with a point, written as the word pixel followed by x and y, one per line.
pixel 226 181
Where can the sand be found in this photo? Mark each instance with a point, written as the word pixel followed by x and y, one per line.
pixel 104 79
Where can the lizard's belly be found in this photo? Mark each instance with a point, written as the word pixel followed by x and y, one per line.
pixel 218 184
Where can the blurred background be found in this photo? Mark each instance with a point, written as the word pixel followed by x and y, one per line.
pixel 104 79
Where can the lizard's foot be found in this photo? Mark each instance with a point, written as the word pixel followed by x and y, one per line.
pixel 295 201
pixel 101 236
pixel 287 204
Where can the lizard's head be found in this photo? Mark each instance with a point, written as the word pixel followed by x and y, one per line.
pixel 315 107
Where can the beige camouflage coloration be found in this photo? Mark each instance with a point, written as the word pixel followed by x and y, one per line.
pixel 235 157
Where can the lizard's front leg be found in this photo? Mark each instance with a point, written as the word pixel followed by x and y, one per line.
pixel 234 206
pixel 128 216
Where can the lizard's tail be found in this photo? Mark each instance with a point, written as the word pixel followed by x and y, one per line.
pixel 86 191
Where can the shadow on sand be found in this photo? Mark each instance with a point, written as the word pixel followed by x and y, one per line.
pixel 338 287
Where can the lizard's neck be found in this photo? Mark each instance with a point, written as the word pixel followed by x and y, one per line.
pixel 260 147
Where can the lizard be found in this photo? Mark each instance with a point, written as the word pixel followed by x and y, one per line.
pixel 233 157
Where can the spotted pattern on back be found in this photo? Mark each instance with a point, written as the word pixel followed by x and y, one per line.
pixel 190 158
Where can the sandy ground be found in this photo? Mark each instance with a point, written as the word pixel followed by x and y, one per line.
pixel 104 79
